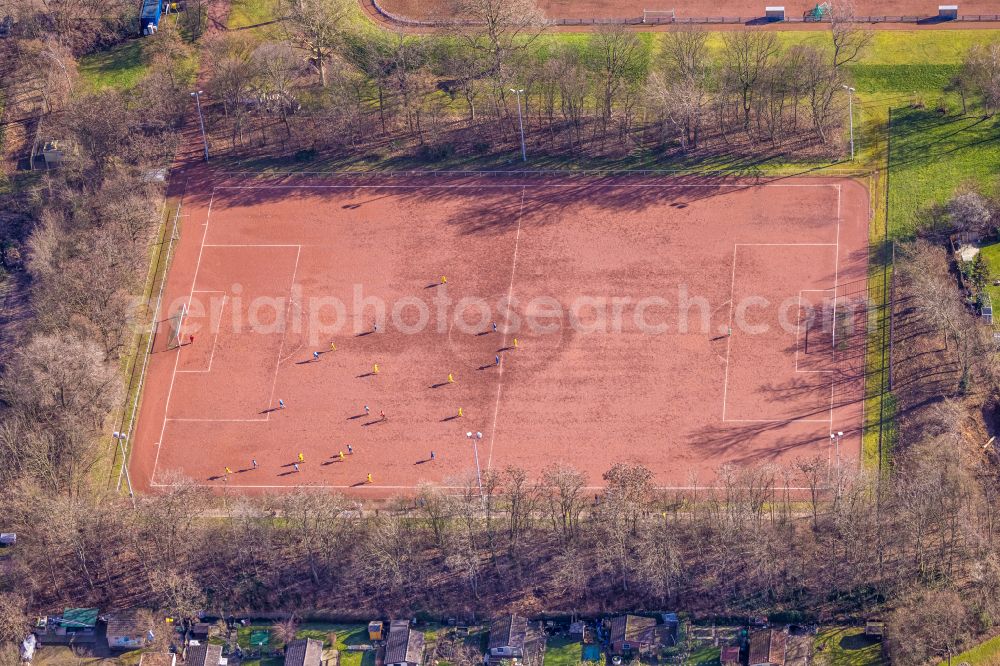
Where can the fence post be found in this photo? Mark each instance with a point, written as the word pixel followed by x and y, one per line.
pixel 892 306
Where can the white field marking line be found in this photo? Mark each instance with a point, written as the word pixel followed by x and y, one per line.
pixel 215 339
pixel 663 173
pixel 732 301
pixel 836 285
pixel 253 245
pixel 729 333
pixel 832 394
pixel 512 185
pixel 366 486
pixel 777 420
pixel 177 357
pixel 281 347
pixel 218 420
pixel 836 276
pixel 503 344
pixel 799 328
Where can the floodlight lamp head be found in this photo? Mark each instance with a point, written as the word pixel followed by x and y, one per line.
pixel 468 434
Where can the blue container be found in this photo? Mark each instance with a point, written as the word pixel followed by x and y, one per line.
pixel 149 17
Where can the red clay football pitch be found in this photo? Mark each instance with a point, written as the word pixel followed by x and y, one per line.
pixel 674 322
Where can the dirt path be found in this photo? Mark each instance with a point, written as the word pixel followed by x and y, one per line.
pixel 190 151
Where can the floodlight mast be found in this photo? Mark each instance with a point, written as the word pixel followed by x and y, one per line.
pixel 520 122
pixel 850 106
pixel 201 120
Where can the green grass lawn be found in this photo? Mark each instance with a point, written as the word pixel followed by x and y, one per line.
pixel 931 156
pixel 888 47
pixel 991 255
pixel 897 47
pixel 266 661
pixel 984 654
pixel 246 13
pixel 118 67
pixel 563 651
pixel 347 634
pixel 243 635
pixel 902 78
pixel 705 655
pixel 122 66
pixel 847 646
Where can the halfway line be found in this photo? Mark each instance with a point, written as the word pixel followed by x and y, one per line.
pixel 510 293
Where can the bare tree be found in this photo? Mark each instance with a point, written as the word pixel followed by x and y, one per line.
pixel 277 69
pixel 821 83
pixel 620 57
pixel 65 385
pixel 177 594
pixel 194 19
pixel 982 68
pixel 968 210
pixel 520 499
pixel 437 507
pixel 624 502
pixel 316 27
pixel 42 69
pixel 501 29
pixel 564 498
pixel 13 617
pixel 314 529
pixel 286 629
pixel 387 555
pixel 927 623
pixel 677 88
pixel 234 72
pixel 850 37
pixel 746 55
pixel 660 561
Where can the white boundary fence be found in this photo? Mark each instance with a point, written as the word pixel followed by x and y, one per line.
pixel 127 430
pixel 562 173
pixel 666 20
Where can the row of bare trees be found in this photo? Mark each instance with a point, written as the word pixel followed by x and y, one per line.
pixel 324 83
pixel 77 243
pixel 749 545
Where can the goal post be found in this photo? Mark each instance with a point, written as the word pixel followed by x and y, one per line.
pixel 655 16
pixel 167 333
pixel 177 325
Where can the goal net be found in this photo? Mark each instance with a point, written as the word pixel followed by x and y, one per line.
pixel 167 333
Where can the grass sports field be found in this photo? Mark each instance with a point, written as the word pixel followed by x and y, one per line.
pixel 681 323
